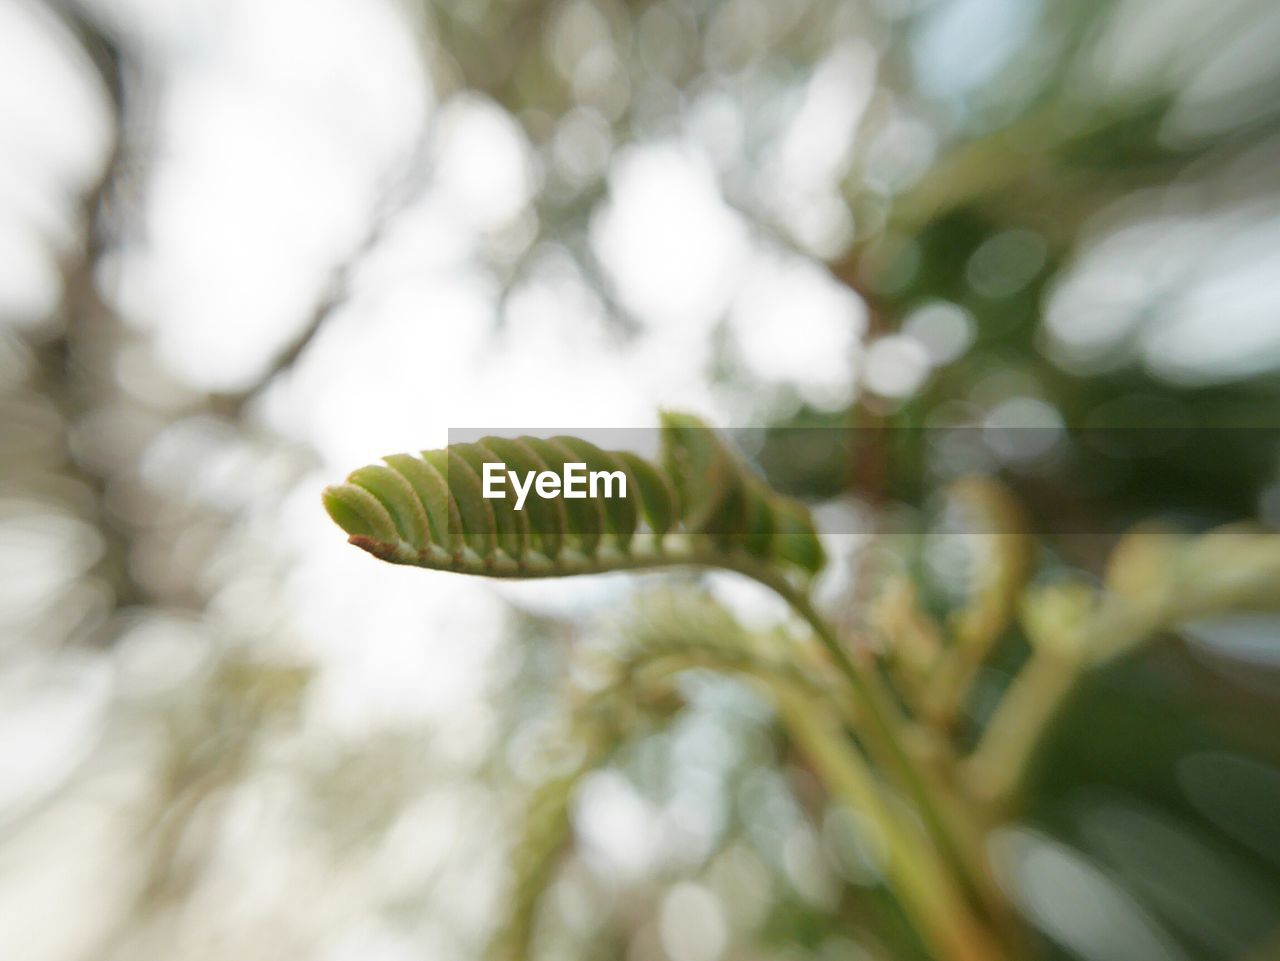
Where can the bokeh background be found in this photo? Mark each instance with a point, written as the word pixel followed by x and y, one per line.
pixel 248 245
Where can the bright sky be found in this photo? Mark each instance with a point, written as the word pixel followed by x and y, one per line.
pixel 279 127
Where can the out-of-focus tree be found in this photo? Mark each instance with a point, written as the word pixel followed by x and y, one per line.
pixel 1030 217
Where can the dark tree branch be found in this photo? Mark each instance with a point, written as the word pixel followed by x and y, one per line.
pixel 75 361
pixel 400 192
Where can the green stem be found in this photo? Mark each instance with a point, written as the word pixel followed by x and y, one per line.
pixel 915 868
pixel 953 684
pixel 1000 763
pixel 1003 757
pixel 923 884
pixel 885 728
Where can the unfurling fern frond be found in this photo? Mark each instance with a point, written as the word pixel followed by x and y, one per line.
pixel 702 506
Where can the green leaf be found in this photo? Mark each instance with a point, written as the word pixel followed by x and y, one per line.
pixel 547 518
pixel 475 514
pixel 704 507
pixel 510 525
pixel 620 513
pixel 708 479
pixel 433 493
pixel 399 498
pixel 655 491
pixel 585 517
pixel 795 541
pixel 359 513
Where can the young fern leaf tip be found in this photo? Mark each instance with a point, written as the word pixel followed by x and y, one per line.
pixel 701 505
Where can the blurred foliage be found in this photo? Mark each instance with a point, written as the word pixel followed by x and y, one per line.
pixel 933 787
pixel 1032 198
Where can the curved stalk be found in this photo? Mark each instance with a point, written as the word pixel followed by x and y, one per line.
pixel 886 727
pixel 924 886
pixel 1002 760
